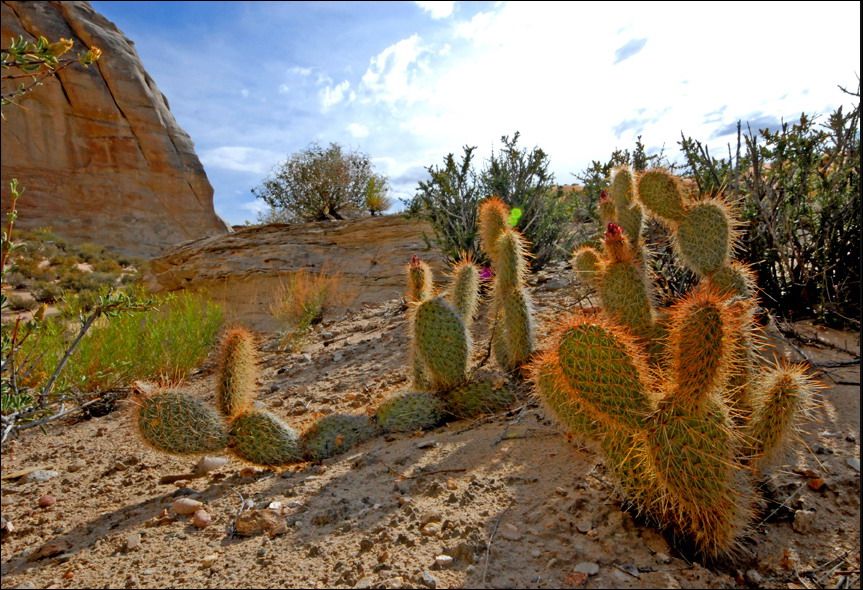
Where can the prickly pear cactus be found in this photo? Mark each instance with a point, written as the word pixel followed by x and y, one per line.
pixel 177 423
pixel 237 371
pixel 683 430
pixel 335 434
pixel 261 438
pixel 410 411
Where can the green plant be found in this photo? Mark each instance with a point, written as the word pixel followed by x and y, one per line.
pixel 674 399
pixel 175 423
pixel 263 439
pixel 334 434
pixel 237 372
pixel 409 412
pixel 317 184
pixel 376 199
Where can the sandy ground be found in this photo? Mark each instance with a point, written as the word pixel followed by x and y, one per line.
pixel 508 497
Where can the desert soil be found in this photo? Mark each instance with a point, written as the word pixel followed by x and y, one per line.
pixel 508 497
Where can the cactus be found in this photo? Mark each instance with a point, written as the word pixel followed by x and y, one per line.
pixel 493 220
pixel 176 423
pixel 478 397
pixel 261 438
pixel 442 343
pixel 420 285
pixel 676 401
pixel 409 412
pixel 235 390
pixel 465 289
pixel 335 434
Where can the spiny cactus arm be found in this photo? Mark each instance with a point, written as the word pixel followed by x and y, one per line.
pixel 261 438
pixel 335 434
pixel 493 217
pixel 786 395
pixel 237 373
pixel 735 278
pixel 630 219
pixel 419 280
pixel 661 192
pixel 475 398
pixel 586 263
pixel 176 423
pixel 622 188
pixel 464 293
pixel 603 368
pixel 441 341
pixel 701 346
pixel 623 286
pixel 510 261
pixel 409 412
pixel 705 237
pixel 607 210
pixel 516 327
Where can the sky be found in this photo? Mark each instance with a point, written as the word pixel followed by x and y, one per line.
pixel 409 82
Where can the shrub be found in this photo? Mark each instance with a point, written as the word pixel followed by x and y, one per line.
pixel 318 183
pixel 377 201
pixel 301 300
pixel 20 303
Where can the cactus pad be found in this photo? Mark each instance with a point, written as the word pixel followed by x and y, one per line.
pixel 442 342
pixel 662 194
pixel 261 438
pixel 334 434
pixel 409 412
pixel 704 237
pixel 176 423
pixel 237 372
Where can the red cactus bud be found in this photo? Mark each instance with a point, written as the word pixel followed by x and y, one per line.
pixel 603 195
pixel 415 261
pixel 613 231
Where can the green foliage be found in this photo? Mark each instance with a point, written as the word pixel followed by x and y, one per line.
pixel 317 184
pixel 799 191
pixel 261 438
pixel 36 61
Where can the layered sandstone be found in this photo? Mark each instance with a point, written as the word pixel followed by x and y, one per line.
pixel 98 151
pixel 244 270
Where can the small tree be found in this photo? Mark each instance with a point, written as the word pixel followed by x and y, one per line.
pixel 318 183
pixel 377 198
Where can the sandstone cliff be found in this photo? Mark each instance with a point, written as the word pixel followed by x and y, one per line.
pixel 98 151
pixel 244 269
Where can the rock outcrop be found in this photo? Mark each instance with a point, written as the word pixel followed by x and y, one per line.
pixel 97 150
pixel 245 269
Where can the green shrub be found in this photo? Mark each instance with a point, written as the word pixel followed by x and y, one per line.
pixel 48 293
pixel 20 303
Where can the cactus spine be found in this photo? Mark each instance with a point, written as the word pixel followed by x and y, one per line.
pixel 176 423
pixel 235 389
pixel 681 429
pixel 334 434
pixel 261 438
pixel 419 275
pixel 465 289
pixel 409 412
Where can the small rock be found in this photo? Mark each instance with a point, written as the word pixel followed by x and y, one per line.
pixel 365 583
pixel 535 553
pixel 663 558
pixel 201 519
pixel 133 542
pixel 366 545
pixel 431 529
pixel 428 580
pixel 430 517
pixel 443 561
pixel 803 521
pixel 510 531
pixel 854 463
pixel 150 571
pixel 50 549
pixel 253 522
pixel 587 567
pixel 275 505
pixel 426 444
pixel 75 467
pixel 209 561
pixel 584 526
pixel 561 491
pixel 47 501
pixel 753 577
pixel 186 506
pixel 338 356
pixel 39 475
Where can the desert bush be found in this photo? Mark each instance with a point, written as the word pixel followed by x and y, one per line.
pixel 317 184
pixel 302 298
pixel 19 303
pixel 799 191
pixel 376 200
pixel 48 293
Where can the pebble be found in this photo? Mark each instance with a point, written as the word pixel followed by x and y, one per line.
pixel 511 532
pixel 535 553
pixel 40 475
pixel 431 529
pixel 584 526
pixel 753 577
pixel 443 561
pixel 426 444
pixel 186 506
pixel 803 521
pixel 210 560
pixel 75 467
pixel 201 519
pixel 854 463
pixel 47 501
pixel 338 356
pixel 428 580
pixel 587 567
pixel 365 583
pixel 133 542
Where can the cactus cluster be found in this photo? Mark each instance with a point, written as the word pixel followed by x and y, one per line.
pixel 512 308
pixel 674 398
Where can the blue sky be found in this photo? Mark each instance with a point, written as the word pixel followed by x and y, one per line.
pixel 409 82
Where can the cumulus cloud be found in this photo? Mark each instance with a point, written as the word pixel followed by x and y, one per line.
pixel 358 130
pixel 241 159
pixel 392 73
pixel 333 95
pixel 437 10
pixel 284 89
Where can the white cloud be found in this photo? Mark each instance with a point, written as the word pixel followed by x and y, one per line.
pixel 437 10
pixel 333 95
pixel 244 93
pixel 241 159
pixel 300 71
pixel 358 130
pixel 392 73
pixel 284 89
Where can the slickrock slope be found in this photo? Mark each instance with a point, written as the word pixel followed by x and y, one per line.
pixel 244 269
pixel 98 151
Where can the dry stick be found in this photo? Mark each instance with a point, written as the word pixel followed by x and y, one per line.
pixel 401 475
pixel 490 541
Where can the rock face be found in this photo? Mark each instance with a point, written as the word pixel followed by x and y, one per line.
pixel 97 150
pixel 245 269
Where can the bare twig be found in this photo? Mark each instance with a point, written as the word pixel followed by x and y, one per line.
pixel 490 541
